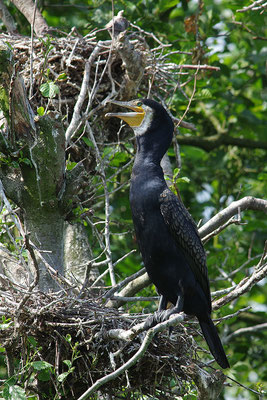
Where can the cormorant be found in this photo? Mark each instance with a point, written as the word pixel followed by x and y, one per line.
pixel 167 235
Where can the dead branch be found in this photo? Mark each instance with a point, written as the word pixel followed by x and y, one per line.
pixel 247 203
pixel 260 272
pixel 249 330
pixel 215 225
pixel 130 289
pixel 256 5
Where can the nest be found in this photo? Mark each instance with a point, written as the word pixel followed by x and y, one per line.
pixel 62 61
pixel 55 329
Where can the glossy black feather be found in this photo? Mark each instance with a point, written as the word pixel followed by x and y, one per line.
pixel 167 236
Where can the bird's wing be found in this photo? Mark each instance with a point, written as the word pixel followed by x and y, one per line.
pixel 184 231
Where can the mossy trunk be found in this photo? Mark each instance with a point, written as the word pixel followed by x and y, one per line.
pixel 34 177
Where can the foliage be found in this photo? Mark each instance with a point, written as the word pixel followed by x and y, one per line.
pixel 18 386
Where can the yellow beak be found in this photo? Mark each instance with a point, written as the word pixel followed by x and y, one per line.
pixel 133 118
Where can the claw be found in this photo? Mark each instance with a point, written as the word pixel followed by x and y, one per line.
pixel 156 318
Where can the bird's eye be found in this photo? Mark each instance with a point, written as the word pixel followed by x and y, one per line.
pixel 139 104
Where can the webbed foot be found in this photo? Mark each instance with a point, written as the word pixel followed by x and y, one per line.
pixel 156 318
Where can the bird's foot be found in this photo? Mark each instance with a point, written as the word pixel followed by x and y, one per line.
pixel 156 318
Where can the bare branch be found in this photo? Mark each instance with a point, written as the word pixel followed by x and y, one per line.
pixel 132 287
pixel 191 97
pixel 76 117
pixel 107 208
pixel 247 203
pixel 243 286
pixel 248 330
pixel 130 278
pixel 256 5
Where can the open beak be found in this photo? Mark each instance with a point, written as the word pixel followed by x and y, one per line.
pixel 133 118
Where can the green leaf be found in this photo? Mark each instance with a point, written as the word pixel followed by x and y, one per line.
pixel 49 89
pixel 40 111
pixel 87 141
pixel 6 325
pixel 14 393
pixel 68 338
pixel 262 176
pixel 62 76
pixel 176 173
pixel 119 158
pixel 164 5
pixel 44 375
pixel 68 363
pixel 39 365
pixel 70 165
pixel 183 179
pixel 32 341
pixel 63 376
pixel 204 94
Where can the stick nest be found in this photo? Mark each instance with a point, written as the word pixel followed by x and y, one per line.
pixel 58 325
pixel 62 60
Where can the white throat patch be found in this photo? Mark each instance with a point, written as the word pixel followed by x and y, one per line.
pixel 141 129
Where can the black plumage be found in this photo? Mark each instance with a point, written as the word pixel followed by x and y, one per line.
pixel 167 236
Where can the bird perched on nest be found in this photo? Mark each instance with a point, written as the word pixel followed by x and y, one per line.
pixel 118 24
pixel 167 236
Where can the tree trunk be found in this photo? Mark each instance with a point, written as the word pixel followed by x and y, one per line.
pixel 35 17
pixel 78 254
pixel 34 177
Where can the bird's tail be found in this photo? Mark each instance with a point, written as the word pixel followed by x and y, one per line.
pixel 214 342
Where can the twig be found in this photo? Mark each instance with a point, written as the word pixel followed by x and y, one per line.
pixel 249 30
pixel 199 67
pixel 31 53
pixel 235 314
pixel 107 207
pixel 249 329
pixel 256 5
pixel 243 386
pixel 135 298
pixel 133 360
pixel 124 283
pixel 190 100
pixel 76 117
pixel 9 208
pixel 263 257
pixel 231 221
pixel 243 286
pixel 247 203
pixel 232 273
pixel 36 270
pixel 53 272
pixel 151 35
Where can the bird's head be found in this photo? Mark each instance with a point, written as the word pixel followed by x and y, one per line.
pixel 145 115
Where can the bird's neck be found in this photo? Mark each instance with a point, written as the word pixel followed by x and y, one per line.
pixel 147 164
pixel 151 148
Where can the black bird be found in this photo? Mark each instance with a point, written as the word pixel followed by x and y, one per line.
pixel 167 236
